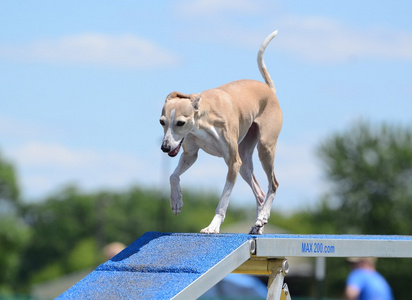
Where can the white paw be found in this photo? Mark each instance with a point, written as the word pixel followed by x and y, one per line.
pixel 214 226
pixel 210 230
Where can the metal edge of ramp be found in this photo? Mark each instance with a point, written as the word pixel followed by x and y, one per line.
pixel 316 245
pixel 217 273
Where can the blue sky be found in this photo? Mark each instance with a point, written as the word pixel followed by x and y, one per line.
pixel 83 83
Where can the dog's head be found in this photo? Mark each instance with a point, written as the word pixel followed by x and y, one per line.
pixel 178 119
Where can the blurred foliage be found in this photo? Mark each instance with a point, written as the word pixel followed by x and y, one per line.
pixel 370 174
pixel 370 169
pixel 14 234
pixel 9 189
pixel 70 228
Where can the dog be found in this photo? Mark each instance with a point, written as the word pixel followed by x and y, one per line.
pixel 228 122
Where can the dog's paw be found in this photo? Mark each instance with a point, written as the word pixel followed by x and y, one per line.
pixel 214 226
pixel 176 206
pixel 256 230
pixel 176 201
pixel 210 230
pixel 258 227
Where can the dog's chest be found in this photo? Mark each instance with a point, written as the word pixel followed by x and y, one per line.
pixel 210 141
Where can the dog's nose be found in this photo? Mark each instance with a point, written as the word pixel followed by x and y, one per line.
pixel 165 148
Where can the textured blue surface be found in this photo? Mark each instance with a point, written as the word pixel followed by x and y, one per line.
pixel 156 266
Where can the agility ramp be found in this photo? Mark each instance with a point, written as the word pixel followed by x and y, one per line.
pixel 184 266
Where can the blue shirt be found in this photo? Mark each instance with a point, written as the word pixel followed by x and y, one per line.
pixel 371 284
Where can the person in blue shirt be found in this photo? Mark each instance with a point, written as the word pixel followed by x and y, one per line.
pixel 365 283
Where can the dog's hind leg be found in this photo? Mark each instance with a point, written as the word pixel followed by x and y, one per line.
pixel 246 148
pixel 266 156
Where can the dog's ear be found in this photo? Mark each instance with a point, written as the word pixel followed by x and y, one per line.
pixel 175 94
pixel 196 99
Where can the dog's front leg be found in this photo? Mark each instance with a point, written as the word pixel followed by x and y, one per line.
pixel 234 167
pixel 185 162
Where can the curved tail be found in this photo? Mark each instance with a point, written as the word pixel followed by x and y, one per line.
pixel 261 63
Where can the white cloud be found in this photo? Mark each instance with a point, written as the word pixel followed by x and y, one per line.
pixel 324 39
pixel 312 38
pixel 207 7
pixel 127 51
pixel 46 166
pixel 58 156
pixel 12 128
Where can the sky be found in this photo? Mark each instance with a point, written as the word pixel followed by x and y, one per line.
pixel 83 84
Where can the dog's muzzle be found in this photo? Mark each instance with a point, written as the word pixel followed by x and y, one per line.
pixel 172 153
pixel 165 148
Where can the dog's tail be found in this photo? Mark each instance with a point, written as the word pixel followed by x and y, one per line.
pixel 261 63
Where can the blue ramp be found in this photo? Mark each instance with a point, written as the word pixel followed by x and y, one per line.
pixel 165 266
pixel 184 266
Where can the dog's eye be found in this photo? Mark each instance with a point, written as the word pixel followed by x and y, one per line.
pixel 180 123
pixel 162 122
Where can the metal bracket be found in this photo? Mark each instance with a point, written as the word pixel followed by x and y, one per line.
pixel 253 246
pixel 276 268
pixel 285 295
pixel 277 290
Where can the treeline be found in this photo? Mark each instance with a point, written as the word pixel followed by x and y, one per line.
pixel 370 173
pixel 68 231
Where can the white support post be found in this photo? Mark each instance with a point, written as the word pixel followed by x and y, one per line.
pixel 277 290
pixel 276 268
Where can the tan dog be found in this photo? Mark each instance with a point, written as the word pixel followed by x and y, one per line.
pixel 228 122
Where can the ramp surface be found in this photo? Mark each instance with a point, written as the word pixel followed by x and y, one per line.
pixel 163 266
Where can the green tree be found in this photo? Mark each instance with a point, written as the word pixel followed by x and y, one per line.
pixel 58 225
pixel 70 228
pixel 370 170
pixel 14 236
pixel 13 232
pixel 9 189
